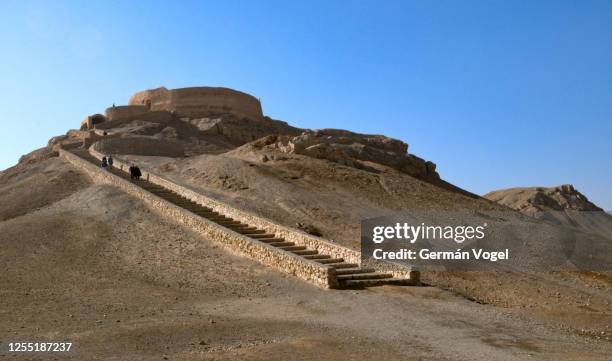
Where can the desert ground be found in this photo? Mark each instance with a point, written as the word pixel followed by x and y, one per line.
pixel 86 263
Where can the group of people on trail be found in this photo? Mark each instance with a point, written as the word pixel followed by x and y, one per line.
pixel 135 172
pixel 107 163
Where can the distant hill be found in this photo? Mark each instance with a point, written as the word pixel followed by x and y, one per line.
pixel 563 205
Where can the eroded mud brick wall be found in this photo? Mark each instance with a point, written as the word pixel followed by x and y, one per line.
pixel 199 102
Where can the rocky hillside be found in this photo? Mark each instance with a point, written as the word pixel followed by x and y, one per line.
pixel 187 124
pixel 186 137
pixel 537 199
pixel 561 205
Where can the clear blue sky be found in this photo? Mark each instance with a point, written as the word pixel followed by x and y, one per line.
pixel 497 93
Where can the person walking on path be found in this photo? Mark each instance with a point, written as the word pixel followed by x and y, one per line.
pixel 104 163
pixel 110 161
pixel 135 172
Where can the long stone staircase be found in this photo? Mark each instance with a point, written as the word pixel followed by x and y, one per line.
pixel 349 275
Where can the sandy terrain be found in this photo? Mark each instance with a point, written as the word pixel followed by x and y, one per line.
pixel 96 267
pixel 335 198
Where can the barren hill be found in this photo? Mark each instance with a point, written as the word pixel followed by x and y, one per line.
pixel 563 205
pixel 90 263
pixel 534 199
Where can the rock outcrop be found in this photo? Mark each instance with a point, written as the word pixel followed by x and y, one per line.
pixel 352 149
pixel 562 205
pixel 537 199
pixel 240 131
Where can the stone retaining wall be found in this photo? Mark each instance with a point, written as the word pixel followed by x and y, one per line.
pixel 290 234
pixel 117 116
pixel 287 262
pixel 124 112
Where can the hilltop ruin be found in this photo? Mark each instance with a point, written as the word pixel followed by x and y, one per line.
pixel 212 120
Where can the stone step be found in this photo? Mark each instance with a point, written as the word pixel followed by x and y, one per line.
pixel 242 227
pixel 261 236
pixel 306 252
pixel 237 223
pixel 364 276
pixel 343 265
pixel 271 240
pixel 164 195
pixel 218 218
pixel 189 207
pixel 377 282
pixel 206 213
pixel 330 260
pixel 181 201
pixel 169 198
pixel 346 271
pixel 293 248
pixel 193 208
pixel 210 216
pixel 247 230
pixel 175 201
pixel 282 244
pixel 317 256
pixel 349 275
pixel 251 231
pixel 226 224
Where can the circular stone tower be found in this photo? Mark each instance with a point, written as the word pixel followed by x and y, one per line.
pixel 200 102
